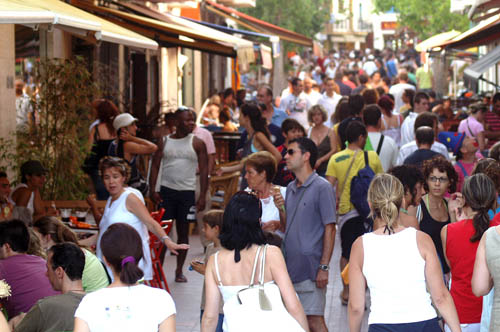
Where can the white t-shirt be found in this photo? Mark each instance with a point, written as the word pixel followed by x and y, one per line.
pixel 298 107
pixel 397 91
pixel 411 147
pixel 330 104
pixel 388 152
pixel 122 309
pixel 313 97
pixel 408 128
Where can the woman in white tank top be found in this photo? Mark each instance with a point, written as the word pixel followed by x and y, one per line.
pixel 230 270
pixel 397 264
pixel 126 205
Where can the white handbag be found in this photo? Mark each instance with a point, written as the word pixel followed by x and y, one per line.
pixel 259 307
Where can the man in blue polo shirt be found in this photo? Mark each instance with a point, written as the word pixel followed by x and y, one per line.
pixel 273 114
pixel 309 230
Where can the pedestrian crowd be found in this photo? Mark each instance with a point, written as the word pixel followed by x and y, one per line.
pixel 358 144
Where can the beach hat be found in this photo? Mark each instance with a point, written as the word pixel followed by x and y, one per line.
pixel 452 140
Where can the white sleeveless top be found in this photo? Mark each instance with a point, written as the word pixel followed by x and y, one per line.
pixel 393 132
pixel 31 205
pixel 179 163
pixel 116 213
pixel 394 272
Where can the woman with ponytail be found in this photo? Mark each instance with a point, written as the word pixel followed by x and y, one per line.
pixel 258 138
pixel 51 230
pixel 397 264
pixel 460 243
pixel 125 305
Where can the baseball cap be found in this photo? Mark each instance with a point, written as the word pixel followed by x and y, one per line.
pixel 33 167
pixel 123 120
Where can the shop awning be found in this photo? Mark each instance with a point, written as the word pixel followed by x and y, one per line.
pixel 66 17
pixel 217 35
pixel 166 34
pixel 484 33
pixel 436 40
pixel 257 25
pixel 478 68
pixel 484 7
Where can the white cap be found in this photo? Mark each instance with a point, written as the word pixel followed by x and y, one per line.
pixel 371 57
pixel 123 120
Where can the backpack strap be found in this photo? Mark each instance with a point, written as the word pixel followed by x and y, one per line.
pixel 379 147
pixel 366 159
pixel 463 168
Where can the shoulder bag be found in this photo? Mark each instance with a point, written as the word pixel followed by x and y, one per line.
pixel 259 307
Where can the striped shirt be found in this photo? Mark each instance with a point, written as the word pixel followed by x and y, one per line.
pixel 493 122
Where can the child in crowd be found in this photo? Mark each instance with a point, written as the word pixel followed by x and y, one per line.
pixel 466 151
pixel 212 224
pixel 291 129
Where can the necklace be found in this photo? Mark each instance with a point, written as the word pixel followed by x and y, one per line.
pixel 405 211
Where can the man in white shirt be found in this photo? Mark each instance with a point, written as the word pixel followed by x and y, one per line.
pixel 296 104
pixel 425 119
pixel 311 95
pixel 420 105
pixel 397 90
pixel 385 146
pixel 370 67
pixel 329 100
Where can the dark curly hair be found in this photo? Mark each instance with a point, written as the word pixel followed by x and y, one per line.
pixel 442 165
pixel 493 172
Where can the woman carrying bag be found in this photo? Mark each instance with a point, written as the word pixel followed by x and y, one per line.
pixel 271 304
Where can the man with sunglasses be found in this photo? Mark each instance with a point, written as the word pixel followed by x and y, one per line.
pixel 308 217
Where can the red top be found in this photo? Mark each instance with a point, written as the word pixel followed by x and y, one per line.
pixel 461 254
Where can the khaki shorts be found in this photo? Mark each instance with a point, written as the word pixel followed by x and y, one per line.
pixel 312 298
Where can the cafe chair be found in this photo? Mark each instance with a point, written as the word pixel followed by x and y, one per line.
pixel 156 246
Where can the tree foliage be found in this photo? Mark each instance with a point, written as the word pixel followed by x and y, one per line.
pixel 306 17
pixel 425 17
pixel 60 140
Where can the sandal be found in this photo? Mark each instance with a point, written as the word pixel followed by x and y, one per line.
pixel 180 278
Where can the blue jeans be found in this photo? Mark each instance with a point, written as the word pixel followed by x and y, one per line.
pixel 219 323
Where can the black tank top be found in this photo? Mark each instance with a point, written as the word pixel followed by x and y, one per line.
pixel 433 228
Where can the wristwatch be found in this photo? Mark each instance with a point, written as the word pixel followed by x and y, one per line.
pixel 324 267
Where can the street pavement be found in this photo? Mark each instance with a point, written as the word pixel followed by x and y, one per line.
pixel 187 295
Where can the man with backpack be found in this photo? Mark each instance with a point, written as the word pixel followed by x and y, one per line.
pixel 343 167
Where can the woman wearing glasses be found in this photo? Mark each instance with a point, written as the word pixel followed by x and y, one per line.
pixel 432 213
pixel 461 240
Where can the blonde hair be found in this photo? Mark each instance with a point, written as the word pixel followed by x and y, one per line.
pixel 317 108
pixel 385 196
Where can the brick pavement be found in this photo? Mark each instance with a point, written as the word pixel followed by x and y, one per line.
pixel 187 295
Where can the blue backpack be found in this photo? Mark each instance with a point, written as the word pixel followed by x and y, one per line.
pixel 359 190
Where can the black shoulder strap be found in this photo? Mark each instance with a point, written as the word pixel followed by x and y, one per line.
pixel 379 147
pixel 366 159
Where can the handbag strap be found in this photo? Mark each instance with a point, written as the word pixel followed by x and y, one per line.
pixel 463 169
pixel 255 265
pixel 347 174
pixel 262 265
pixel 379 147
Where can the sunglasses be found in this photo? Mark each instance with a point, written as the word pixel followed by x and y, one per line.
pixel 290 152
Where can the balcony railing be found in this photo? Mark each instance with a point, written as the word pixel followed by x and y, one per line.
pixel 345 26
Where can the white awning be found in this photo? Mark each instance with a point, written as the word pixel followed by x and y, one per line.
pixel 66 17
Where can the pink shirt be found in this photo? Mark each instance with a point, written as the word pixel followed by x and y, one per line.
pixel 206 137
pixel 26 276
pixel 469 168
pixel 471 127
